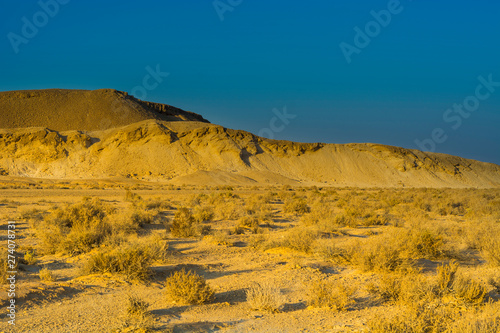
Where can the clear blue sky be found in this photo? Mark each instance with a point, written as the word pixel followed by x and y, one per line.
pixel 267 55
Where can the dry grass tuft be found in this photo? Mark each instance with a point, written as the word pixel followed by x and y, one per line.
pixel 264 297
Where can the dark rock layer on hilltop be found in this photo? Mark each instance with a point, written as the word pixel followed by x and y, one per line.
pixel 63 109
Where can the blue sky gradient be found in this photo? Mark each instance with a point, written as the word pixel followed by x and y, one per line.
pixel 267 55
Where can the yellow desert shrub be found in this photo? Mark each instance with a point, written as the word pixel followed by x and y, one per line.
pixel 132 261
pixel 300 239
pixel 408 287
pixel 491 250
pixel 264 297
pixel 203 213
pixel 184 224
pixel 187 287
pixel 380 253
pixel 75 228
pixel 414 319
pixel 469 290
pixel 485 319
pixel 395 248
pixel 249 222
pixel 336 295
pixel 46 275
pixel 296 206
pixel 136 307
pixel 451 281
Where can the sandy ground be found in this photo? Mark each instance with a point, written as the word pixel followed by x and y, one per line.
pixel 95 303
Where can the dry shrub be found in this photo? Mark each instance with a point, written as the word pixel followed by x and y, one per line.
pixel 138 317
pixel 140 217
pixel 423 243
pixel 203 214
pixel 446 276
pixel 46 275
pixel 335 295
pixel 258 207
pixel 250 222
pixel 131 221
pixel 396 248
pixel 131 260
pixel 300 239
pixel 406 288
pixel 219 238
pixel 131 196
pixel 76 228
pixel 137 308
pixel 416 319
pixel 469 290
pixel 29 257
pixel 491 250
pixel 322 216
pixel 296 206
pixel 154 204
pixel 329 251
pixel 494 281
pixel 483 320
pixel 449 281
pixel 188 288
pixel 31 214
pixel 380 253
pixel 184 224
pixel 228 210
pixel 264 297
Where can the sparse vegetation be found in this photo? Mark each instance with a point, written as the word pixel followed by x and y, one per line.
pixel 397 260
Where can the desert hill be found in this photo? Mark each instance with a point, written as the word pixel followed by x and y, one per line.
pixel 150 145
pixel 64 109
pixel 203 153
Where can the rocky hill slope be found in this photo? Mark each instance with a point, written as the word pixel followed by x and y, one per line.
pixel 64 137
pixel 201 153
